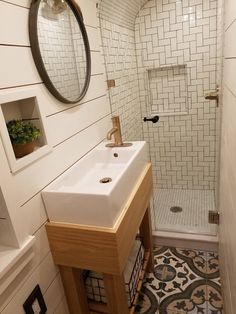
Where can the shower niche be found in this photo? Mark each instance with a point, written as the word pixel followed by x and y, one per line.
pixel 168 90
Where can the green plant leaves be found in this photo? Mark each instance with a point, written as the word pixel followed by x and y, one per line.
pixel 22 132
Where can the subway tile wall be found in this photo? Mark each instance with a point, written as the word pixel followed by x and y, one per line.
pixel 168 90
pixel 172 33
pixel 53 55
pixel 79 51
pixel 121 65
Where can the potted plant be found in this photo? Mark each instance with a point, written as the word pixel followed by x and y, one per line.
pixel 23 135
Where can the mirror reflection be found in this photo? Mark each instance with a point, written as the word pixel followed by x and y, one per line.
pixel 62 46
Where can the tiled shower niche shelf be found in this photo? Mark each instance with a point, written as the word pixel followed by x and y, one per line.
pixel 168 90
pixel 22 104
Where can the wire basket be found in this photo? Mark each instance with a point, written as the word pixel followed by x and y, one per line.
pixel 95 285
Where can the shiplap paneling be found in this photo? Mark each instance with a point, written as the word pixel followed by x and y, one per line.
pixel 94 38
pixel 34 208
pixel 41 250
pixel 62 307
pixel 97 65
pixel 89 11
pixel 25 71
pixel 230 12
pixel 76 119
pixel 224 246
pixel 17 28
pixel 43 275
pixel 227 237
pixel 23 3
pixel 229 74
pixel 229 44
pixel 54 294
pixel 50 105
pixel 88 8
pixel 227 166
pixel 7 233
pixel 17 69
pixel 229 148
pixel 3 209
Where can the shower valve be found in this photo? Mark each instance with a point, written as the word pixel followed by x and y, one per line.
pixel 213 96
pixel 155 119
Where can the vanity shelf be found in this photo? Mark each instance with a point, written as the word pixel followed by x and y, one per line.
pixel 76 247
pixel 98 307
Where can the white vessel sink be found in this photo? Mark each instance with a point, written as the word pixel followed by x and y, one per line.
pixel 79 197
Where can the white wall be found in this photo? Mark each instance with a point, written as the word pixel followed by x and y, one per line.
pixel 72 132
pixel 228 168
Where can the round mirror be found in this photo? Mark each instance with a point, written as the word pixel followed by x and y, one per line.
pixel 60 48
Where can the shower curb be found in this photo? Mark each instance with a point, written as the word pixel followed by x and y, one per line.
pixel 186 240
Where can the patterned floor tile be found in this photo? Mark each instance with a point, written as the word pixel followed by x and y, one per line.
pixel 212 265
pixel 214 297
pixel 183 282
pixel 191 300
pixel 197 260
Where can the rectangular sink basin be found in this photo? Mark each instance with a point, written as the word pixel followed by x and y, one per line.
pixel 94 191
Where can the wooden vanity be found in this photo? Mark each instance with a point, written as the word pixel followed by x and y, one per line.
pixel 76 247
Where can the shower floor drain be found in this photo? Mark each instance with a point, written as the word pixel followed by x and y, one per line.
pixel 176 209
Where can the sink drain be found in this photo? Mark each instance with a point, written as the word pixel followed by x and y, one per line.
pixel 176 209
pixel 105 180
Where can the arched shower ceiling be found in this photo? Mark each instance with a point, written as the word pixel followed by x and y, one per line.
pixel 121 12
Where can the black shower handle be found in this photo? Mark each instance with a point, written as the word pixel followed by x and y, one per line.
pixel 155 119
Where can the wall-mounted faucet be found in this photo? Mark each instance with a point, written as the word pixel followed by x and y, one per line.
pixel 116 132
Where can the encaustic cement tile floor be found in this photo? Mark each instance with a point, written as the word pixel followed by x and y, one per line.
pixel 184 282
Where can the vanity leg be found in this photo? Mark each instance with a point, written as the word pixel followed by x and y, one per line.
pixel 74 290
pixel 145 231
pixel 115 292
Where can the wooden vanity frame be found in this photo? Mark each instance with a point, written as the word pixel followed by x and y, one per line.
pixel 76 247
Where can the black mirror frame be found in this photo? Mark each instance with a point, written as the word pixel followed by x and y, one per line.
pixel 35 48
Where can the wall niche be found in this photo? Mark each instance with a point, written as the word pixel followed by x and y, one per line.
pixel 168 90
pixel 16 106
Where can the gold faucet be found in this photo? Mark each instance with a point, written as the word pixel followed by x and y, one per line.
pixel 116 131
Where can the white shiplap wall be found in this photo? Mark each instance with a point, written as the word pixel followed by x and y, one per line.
pixel 228 167
pixel 72 132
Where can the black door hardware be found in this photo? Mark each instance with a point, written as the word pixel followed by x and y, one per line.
pixel 155 119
